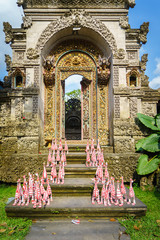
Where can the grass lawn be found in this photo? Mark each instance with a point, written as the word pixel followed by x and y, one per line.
pixel 147 227
pixel 11 228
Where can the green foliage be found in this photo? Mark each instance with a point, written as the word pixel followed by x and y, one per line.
pixel 146 167
pixel 76 94
pixel 12 228
pixel 146 227
pixel 150 144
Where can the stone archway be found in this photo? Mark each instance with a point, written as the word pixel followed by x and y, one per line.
pixel 84 60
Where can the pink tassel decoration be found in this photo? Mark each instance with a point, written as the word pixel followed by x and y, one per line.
pixel 87 147
pixel 123 190
pixel 60 145
pixel 119 195
pixel 131 194
pixel 66 146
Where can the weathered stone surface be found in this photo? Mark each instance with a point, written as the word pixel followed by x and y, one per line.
pixel 124 144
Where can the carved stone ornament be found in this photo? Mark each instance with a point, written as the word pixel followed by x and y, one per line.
pixel 77 3
pixel 144 29
pixel 49 70
pixel 131 3
pixel 144 80
pixel 8 62
pixel 32 53
pixel 124 22
pixel 27 22
pixel 143 62
pixel 103 70
pixel 120 53
pixel 76 16
pixel 7 29
pixel 20 2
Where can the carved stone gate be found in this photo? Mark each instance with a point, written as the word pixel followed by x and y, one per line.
pixel 94 100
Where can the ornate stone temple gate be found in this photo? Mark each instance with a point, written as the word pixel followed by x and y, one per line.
pixel 94 100
pixel 58 39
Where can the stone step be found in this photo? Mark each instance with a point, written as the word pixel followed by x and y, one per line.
pixel 72 207
pixel 76 170
pixel 73 187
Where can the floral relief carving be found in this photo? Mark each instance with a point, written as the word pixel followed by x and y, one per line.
pixel 32 53
pixel 84 20
pixel 123 21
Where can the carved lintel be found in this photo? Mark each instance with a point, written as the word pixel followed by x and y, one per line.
pixel 7 29
pixel 32 53
pixel 8 62
pixel 144 29
pixel 123 21
pixel 27 22
pixel 143 62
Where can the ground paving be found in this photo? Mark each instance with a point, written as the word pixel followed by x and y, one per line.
pixel 87 230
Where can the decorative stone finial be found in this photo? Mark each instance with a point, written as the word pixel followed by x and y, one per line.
pixel 144 29
pixel 7 29
pixel 143 62
pixel 20 2
pixel 27 22
pixel 131 3
pixel 8 62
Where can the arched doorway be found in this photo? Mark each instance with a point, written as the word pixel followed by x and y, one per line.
pixel 94 105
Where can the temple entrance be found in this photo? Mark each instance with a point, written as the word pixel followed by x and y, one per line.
pixel 73 107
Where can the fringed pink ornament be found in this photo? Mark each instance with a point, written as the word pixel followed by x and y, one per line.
pixel 119 195
pixel 131 194
pixel 49 158
pixel 123 190
pixel 87 147
pixel 66 146
pixel 92 145
pixel 60 145
pixel 88 161
pixel 17 194
pixel 54 174
pixel 106 171
pixel 98 147
pixel 53 146
pixel 44 173
pixel 58 156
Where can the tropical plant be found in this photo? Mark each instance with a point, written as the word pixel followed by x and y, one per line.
pixel 149 145
pixel 76 94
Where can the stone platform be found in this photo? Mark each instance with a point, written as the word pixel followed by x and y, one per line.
pixel 73 198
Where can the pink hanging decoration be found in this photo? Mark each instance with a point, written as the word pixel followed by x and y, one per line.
pixel 58 156
pixel 31 196
pixel 106 171
pixel 60 175
pixel 103 191
pixel 45 198
pixel 49 191
pixel 49 158
pixel 98 147
pixel 93 158
pixel 60 145
pixel 64 157
pixel 98 157
pixel 102 159
pixel 92 145
pixel 53 146
pixel 53 161
pixel 66 146
pixel 123 190
pixel 17 194
pixel 44 173
pixel 88 161
pixel 113 192
pixel 119 195
pixel 42 187
pixel 95 195
pixel 87 147
pixel 54 174
pixel 131 194
pixel 106 197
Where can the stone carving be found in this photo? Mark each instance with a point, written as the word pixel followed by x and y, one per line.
pixel 123 21
pixel 120 53
pixel 131 3
pixel 20 2
pixel 133 107
pixel 144 29
pixel 78 3
pixel 32 53
pixel 103 69
pixel 49 69
pixel 7 29
pixel 117 106
pixel 8 62
pixel 143 62
pixel 84 20
pixel 27 22
pixel 116 76
pixel 144 80
pixel 149 108
pixel 132 55
pixel 20 56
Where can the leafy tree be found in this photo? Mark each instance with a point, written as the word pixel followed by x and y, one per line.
pixel 75 94
pixel 149 145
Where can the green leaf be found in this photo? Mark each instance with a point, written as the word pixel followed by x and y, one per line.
pixel 151 143
pixel 139 144
pixel 147 121
pixel 145 167
pixel 157 117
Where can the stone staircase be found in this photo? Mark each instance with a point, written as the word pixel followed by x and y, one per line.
pixel 73 198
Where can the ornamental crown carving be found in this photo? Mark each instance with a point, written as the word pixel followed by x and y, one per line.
pixel 8 62
pixel 103 69
pixel 144 29
pixel 76 16
pixel 120 53
pixel 143 62
pixel 7 29
pixel 32 53
pixel 27 22
pixel 124 22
